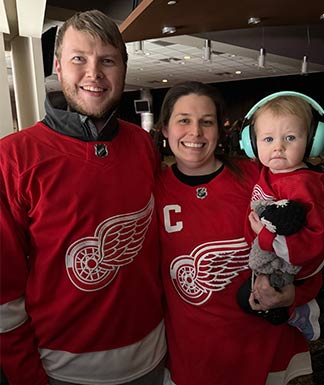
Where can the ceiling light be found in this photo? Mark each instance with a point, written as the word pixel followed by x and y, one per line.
pixel 187 57
pixel 172 2
pixel 168 30
pixel 238 72
pixel 207 50
pixel 254 20
pixel 261 59
pixel 322 16
pixel 262 52
pixel 304 67
pixel 164 80
pixel 138 47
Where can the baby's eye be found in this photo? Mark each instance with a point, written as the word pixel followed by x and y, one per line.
pixel 268 139
pixel 290 138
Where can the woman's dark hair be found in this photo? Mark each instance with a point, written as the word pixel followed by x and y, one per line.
pixel 201 89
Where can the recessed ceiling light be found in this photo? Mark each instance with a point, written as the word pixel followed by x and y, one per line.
pixel 254 20
pixel 238 72
pixel 187 57
pixel 172 2
pixel 168 30
pixel 164 80
pixel 322 16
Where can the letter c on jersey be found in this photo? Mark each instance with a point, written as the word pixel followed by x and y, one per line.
pixel 167 212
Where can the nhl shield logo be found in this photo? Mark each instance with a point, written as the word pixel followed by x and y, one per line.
pixel 201 192
pixel 101 150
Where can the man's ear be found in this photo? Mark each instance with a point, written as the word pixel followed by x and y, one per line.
pixel 165 132
pixel 57 66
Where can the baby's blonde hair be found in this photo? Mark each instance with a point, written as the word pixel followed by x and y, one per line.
pixel 288 105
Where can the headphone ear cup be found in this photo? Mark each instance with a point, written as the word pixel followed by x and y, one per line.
pixel 318 141
pixel 246 142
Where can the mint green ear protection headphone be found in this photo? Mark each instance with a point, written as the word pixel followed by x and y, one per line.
pixel 315 141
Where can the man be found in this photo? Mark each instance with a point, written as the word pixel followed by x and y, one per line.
pixel 80 287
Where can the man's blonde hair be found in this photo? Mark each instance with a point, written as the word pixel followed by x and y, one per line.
pixel 98 25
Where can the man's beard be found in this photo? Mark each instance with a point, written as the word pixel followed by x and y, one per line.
pixel 79 106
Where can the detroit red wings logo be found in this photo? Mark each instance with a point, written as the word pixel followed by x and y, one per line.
pixel 93 262
pixel 258 194
pixel 210 267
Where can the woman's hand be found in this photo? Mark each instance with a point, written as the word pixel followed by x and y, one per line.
pixel 265 297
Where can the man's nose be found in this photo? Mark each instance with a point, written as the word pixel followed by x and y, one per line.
pixel 94 70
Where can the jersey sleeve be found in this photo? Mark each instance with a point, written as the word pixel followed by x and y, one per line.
pixel 307 289
pixel 20 359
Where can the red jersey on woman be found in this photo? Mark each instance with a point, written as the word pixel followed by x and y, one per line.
pixel 211 340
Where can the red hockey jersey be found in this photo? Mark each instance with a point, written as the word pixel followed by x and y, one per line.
pixel 305 248
pixel 80 283
pixel 204 262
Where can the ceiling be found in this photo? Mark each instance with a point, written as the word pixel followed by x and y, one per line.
pixel 287 31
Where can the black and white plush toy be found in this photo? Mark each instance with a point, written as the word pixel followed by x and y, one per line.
pixel 282 217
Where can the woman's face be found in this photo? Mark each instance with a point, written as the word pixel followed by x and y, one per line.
pixel 192 132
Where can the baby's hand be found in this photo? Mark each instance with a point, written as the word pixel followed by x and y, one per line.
pixel 255 222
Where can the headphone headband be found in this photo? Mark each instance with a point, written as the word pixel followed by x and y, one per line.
pixel 308 99
pixel 247 137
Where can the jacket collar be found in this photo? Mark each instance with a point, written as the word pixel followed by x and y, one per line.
pixel 71 123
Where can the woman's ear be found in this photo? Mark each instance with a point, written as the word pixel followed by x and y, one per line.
pixel 165 132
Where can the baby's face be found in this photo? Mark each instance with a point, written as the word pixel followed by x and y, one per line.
pixel 281 141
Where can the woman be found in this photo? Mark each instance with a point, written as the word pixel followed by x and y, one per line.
pixel 202 202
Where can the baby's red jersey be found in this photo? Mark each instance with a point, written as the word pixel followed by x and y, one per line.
pixel 304 248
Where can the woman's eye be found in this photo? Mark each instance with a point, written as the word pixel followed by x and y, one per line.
pixel 208 122
pixel 107 61
pixel 184 121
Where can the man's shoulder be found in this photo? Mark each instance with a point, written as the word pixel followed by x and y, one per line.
pixel 18 136
pixel 131 126
pixel 134 130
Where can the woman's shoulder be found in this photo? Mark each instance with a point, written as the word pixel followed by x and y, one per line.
pixel 247 168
